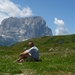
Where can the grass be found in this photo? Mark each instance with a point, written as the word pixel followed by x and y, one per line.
pixel 56 59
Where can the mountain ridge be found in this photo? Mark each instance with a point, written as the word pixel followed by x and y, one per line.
pixel 18 29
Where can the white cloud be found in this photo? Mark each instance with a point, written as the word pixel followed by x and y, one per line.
pixel 61 27
pixel 8 9
pixel 26 12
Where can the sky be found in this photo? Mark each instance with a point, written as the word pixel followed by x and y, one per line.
pixel 58 14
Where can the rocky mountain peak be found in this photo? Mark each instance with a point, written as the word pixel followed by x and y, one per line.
pixel 18 29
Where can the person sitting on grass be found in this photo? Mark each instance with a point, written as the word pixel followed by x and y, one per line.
pixel 32 54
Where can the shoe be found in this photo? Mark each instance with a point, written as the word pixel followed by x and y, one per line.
pixel 21 61
pixel 16 61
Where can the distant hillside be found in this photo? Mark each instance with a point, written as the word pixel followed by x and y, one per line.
pixel 14 29
pixel 46 42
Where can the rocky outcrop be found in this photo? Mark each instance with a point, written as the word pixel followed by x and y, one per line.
pixel 19 29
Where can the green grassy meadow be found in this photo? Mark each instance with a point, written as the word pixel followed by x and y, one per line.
pixel 57 57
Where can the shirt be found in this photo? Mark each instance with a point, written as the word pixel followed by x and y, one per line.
pixel 34 52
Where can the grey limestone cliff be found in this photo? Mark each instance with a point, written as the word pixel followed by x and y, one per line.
pixel 18 29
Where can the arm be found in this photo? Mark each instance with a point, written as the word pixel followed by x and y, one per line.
pixel 25 52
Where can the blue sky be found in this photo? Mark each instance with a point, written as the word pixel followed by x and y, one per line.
pixel 58 14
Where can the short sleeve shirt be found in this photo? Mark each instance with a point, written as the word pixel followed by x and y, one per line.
pixel 34 52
